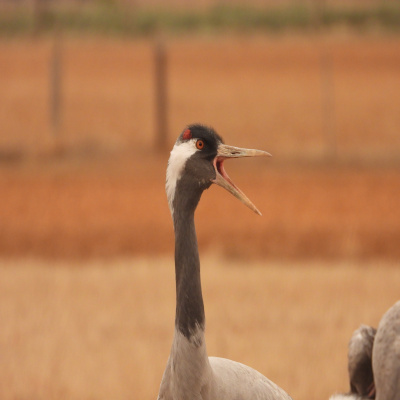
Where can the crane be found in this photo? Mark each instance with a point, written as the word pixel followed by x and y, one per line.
pixel 360 362
pixel 386 355
pixel 196 162
pixel 374 360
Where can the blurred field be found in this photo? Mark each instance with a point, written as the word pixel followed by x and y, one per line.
pixel 103 329
pixel 98 188
pixel 105 209
pixel 263 91
pixel 86 241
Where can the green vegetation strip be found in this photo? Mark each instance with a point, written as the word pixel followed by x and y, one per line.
pixel 111 19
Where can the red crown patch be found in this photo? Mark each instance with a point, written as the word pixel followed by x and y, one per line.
pixel 187 134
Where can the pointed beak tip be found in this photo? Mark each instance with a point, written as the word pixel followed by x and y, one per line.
pixel 261 153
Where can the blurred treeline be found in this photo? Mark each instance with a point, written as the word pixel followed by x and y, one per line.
pixel 143 18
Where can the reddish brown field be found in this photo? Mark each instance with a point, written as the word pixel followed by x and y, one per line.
pixel 307 212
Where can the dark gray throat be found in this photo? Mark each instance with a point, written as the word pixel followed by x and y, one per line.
pixel 189 299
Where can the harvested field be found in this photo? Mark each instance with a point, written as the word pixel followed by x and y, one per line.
pixel 103 330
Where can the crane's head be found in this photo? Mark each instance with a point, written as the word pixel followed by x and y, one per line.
pixel 360 362
pixel 197 161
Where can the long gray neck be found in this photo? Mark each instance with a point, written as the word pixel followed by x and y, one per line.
pixel 189 300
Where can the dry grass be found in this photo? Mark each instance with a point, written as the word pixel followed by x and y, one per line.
pixel 104 331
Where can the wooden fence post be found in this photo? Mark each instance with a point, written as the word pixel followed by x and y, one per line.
pixel 55 82
pixel 161 106
pixel 327 85
pixel 328 104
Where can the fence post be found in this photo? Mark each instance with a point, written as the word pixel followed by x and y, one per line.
pixel 327 85
pixel 160 60
pixel 55 82
pixel 328 104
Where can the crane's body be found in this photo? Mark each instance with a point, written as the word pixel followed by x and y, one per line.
pixel 195 163
pixel 374 360
pixel 386 355
pixel 219 378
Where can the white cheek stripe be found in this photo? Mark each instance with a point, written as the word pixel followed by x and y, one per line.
pixel 180 153
pixel 345 396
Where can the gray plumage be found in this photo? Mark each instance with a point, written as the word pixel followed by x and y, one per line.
pixel 196 161
pixel 360 361
pixel 374 360
pixel 386 355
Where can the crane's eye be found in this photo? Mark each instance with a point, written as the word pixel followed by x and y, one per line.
pixel 200 144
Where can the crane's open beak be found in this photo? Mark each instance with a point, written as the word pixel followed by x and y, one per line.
pixel 222 179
